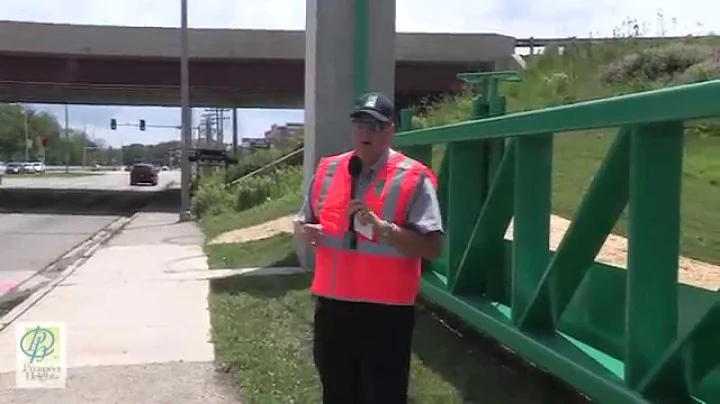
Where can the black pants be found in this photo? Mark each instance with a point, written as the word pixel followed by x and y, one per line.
pixel 362 351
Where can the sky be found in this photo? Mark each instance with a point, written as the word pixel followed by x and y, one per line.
pixel 519 18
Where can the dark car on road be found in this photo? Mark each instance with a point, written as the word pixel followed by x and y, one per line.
pixel 143 174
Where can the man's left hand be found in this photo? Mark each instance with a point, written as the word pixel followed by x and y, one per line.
pixel 364 214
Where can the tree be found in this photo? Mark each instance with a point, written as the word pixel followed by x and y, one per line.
pixel 61 146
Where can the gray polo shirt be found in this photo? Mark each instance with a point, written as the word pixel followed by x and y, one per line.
pixel 424 211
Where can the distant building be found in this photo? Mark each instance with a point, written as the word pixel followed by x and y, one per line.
pixel 254 142
pixel 282 133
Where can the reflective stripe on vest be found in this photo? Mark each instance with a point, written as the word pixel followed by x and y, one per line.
pixel 373 272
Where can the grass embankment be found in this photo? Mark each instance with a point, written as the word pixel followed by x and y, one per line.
pixel 591 71
pixel 261 326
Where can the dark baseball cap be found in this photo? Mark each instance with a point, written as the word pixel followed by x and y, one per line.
pixel 376 105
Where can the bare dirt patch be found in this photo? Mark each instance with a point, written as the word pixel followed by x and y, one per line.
pixel 258 232
pixel 614 251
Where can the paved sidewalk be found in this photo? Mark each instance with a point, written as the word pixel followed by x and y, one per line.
pixel 137 324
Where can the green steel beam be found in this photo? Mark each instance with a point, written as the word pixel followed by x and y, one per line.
pixel 553 353
pixel 531 224
pixel 600 208
pixel 653 246
pixel 692 101
pixel 420 153
pixel 482 267
pixel 468 187
pixel 693 356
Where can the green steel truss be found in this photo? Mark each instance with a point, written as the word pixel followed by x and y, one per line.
pixel 635 336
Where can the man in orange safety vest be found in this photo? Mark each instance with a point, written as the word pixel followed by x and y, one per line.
pixel 371 215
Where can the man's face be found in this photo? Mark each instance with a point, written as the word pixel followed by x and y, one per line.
pixel 371 138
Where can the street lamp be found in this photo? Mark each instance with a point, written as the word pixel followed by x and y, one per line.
pixel 185 117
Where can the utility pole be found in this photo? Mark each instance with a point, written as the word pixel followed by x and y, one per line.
pixel 215 117
pixel 122 151
pixel 185 213
pixel 235 131
pixel 208 130
pixel 221 129
pixel 84 143
pixel 27 136
pixel 67 140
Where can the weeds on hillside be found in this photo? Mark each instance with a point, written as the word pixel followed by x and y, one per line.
pixel 586 71
pixel 214 197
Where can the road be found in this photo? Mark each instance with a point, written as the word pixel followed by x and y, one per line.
pixel 113 180
pixel 29 242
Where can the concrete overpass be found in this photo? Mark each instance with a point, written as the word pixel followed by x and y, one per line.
pixel 85 64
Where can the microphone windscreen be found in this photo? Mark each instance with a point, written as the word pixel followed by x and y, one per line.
pixel 355 167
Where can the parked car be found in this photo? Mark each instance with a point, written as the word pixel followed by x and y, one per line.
pixel 13 168
pixel 29 168
pixel 143 174
pixel 39 167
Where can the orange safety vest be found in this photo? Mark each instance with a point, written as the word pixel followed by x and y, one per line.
pixel 373 272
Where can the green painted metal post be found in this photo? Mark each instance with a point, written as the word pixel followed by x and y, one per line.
pixel 420 153
pixel 653 246
pixel 693 356
pixel 531 226
pixel 476 164
pixel 467 190
pixel 496 107
pixel 482 265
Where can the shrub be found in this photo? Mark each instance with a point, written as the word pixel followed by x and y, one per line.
pixel 663 64
pixel 211 198
pixel 262 157
pixel 272 185
pixel 703 71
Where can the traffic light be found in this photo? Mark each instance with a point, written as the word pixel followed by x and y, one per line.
pixel 142 124
pixel 113 124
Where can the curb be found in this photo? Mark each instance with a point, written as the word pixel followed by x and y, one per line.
pixel 217 274
pixel 90 246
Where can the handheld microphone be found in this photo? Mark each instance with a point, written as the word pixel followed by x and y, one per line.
pixel 354 169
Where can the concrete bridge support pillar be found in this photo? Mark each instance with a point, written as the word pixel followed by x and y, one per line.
pixel 349 49
pixel 342 58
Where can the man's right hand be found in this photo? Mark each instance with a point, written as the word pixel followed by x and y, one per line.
pixel 312 233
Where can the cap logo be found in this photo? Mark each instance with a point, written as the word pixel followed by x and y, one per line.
pixel 371 100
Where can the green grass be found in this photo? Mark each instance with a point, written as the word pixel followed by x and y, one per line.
pixel 218 224
pixel 262 331
pixel 578 156
pixel 272 251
